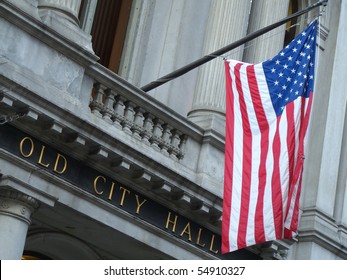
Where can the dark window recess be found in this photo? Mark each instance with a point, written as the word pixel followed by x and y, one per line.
pixel 291 32
pixel 109 30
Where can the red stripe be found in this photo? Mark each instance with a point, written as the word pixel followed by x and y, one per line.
pixel 291 150
pixel 246 163
pixel 277 203
pixel 259 232
pixel 298 177
pixel 229 151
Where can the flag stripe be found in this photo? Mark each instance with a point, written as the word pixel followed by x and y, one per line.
pixel 229 148
pixel 259 233
pixel 246 162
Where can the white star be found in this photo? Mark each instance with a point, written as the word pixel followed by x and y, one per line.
pixel 289 79
pixel 276 83
pixel 299 41
pixel 273 70
pixel 282 53
pixel 295 50
pixel 280 74
pixel 284 87
pixel 293 70
pixel 277 62
pixel 279 95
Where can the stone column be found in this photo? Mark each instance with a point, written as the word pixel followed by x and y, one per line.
pixel 67 9
pixel 264 13
pixel 62 16
pixel 15 211
pixel 227 23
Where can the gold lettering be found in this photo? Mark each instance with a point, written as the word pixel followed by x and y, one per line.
pixel 211 245
pixel 186 230
pixel 21 147
pixel 111 191
pixel 95 182
pixel 123 195
pixel 139 204
pixel 41 156
pixel 59 157
pixel 168 221
pixel 198 239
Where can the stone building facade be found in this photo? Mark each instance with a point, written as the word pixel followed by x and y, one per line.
pixel 92 167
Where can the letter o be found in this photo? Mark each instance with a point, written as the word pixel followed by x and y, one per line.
pixel 26 155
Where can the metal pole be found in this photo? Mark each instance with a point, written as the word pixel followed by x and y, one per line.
pixel 179 72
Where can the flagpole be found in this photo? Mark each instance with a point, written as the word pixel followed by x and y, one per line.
pixel 181 71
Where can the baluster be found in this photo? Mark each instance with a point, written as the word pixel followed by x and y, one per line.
pixel 129 114
pixel 157 133
pixel 175 142
pixel 108 107
pixel 166 139
pixel 118 116
pixel 97 104
pixel 138 123
pixel 147 128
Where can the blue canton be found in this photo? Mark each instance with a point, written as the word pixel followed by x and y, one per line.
pixel 289 74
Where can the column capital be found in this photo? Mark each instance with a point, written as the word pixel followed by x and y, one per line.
pixel 17 204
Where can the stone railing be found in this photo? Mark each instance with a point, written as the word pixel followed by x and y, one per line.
pixel 135 119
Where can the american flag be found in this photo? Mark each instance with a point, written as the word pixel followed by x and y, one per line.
pixel 267 112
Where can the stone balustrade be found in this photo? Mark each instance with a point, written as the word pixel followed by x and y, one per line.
pixel 137 121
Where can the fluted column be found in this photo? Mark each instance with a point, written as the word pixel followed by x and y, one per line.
pixel 227 23
pixel 65 8
pixel 15 211
pixel 264 13
pixel 62 16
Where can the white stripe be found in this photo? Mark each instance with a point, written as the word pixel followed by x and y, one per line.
pixel 237 169
pixel 284 160
pixel 250 238
pixel 269 226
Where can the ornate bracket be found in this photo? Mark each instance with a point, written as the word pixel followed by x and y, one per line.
pixel 11 117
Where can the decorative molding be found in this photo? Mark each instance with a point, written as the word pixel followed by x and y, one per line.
pixel 6 194
pixel 318 227
pixel 17 205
